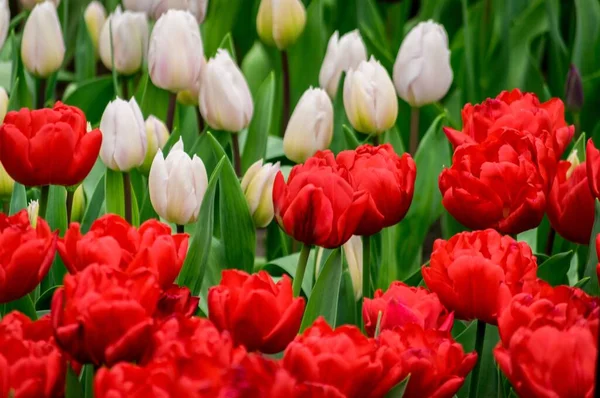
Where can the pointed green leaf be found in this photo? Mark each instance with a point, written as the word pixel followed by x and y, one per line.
pixel 94 207
pixel 114 193
pixel 399 389
pixel 554 270
pixel 18 200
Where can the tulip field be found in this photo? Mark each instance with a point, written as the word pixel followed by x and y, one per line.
pixel 299 198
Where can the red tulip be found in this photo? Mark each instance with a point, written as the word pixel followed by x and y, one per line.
pixel 336 363
pixel 592 161
pixel 48 146
pixel 260 314
pixel 389 180
pixel 30 363
pixel 113 242
pixel 26 254
pixel 401 305
pixel 473 273
pixel 515 110
pixel 176 300
pixel 496 184
pixel 317 205
pixel 103 316
pixel 437 365
pixel 571 204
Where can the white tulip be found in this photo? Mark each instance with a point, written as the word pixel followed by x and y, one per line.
pixel 225 98
pixel 124 141
pixel 145 6
pixel 177 185
pixel 353 251
pixel 42 46
pixel 130 41
pixel 343 54
pixel 29 4
pixel 370 99
pixel 422 72
pixel 257 185
pixel 196 7
pixel 176 53
pixel 4 21
pixel 280 22
pixel 310 128
pixel 157 136
pixel 190 96
pixel 3 103
pixel 95 17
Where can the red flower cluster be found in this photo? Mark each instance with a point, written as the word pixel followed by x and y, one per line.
pixel 401 305
pixel 504 162
pixel 548 342
pixel 26 254
pixel 327 200
pixel 475 273
pixel 48 146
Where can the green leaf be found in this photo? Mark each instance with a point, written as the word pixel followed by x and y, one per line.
pixel 288 264
pixel 260 127
pixel 85 57
pixel 590 269
pixel 20 94
pixel 18 200
pixel 196 260
pixel 413 280
pixel 238 233
pixel 45 299
pixel 351 140
pixel 56 213
pixel 341 139
pixel 24 305
pixel 91 96
pixel 87 380
pixel 377 48
pixel 324 298
pixel 346 311
pixel 469 35
pixel 220 20
pixel 73 388
pixel 227 44
pixel 582 282
pixel 94 208
pixel 579 148
pixel 587 34
pixel 399 389
pixel 155 101
pixel 554 270
pixel 114 192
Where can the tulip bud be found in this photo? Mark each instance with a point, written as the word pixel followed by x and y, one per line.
pixel 190 96
pixel 78 207
pixel 225 99
pixel 95 17
pixel 130 41
pixel 33 210
pixel 124 141
pixel 6 184
pixel 175 55
pixel 280 22
pixel 29 4
pixel 353 252
pixel 4 21
pixel 157 136
pixel 369 98
pixel 42 46
pixel 310 128
pixel 3 103
pixel 257 185
pixel 196 7
pixel 422 72
pixel 342 55
pixel 177 185
pixel 145 6
pixel 574 90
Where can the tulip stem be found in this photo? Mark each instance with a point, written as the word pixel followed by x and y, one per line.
pixel 127 194
pixel 366 280
pixel 125 87
pixel 479 350
pixel 414 130
pixel 180 228
pixel 285 111
pixel 45 192
pixel 41 94
pixel 550 241
pixel 376 140
pixel 237 159
pixel 70 196
pixel 300 269
pixel 171 111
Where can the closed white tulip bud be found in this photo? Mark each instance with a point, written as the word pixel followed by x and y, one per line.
pixel 280 22
pixel 176 52
pixel 422 72
pixel 369 98
pixel 130 41
pixel 157 136
pixel 6 184
pixel 42 46
pixel 95 17
pixel 29 4
pixel 257 185
pixel 177 185
pixel 353 252
pixel 4 21
pixel 124 142
pixel 343 54
pixel 3 103
pixel 310 128
pixel 145 6
pixel 225 98
pixel 196 7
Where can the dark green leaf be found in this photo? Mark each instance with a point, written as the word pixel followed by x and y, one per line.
pixel 94 207
pixel 91 96
pixel 346 311
pixel 587 34
pixel 73 388
pixel 288 264
pixel 114 192
pixel 590 269
pixel 56 212
pixel 45 299
pixel 554 270
pixel 399 389
pixel 582 282
pixel 85 58
pixel 351 140
pixel 24 305
pixel 18 200
pixel 220 20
